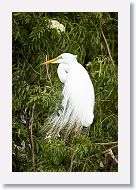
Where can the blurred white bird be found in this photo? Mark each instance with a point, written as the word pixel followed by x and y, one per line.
pixel 78 96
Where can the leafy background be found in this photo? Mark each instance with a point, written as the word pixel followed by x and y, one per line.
pixel 93 37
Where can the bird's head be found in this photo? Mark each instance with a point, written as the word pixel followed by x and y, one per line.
pixel 65 58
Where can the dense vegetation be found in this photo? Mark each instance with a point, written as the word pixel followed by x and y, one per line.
pixel 93 38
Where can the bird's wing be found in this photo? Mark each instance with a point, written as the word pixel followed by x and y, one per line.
pixel 62 72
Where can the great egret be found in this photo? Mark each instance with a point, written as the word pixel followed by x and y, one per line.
pixel 78 96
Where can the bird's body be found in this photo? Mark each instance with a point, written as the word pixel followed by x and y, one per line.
pixel 78 96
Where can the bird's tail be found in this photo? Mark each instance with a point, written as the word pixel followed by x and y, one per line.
pixel 62 122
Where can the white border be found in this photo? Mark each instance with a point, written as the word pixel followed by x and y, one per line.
pixel 9 177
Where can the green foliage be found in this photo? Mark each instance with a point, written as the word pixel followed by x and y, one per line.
pixel 104 76
pixel 37 89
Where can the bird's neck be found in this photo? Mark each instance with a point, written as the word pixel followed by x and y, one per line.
pixel 75 62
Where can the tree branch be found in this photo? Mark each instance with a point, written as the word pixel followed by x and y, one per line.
pixel 107 45
pixel 47 71
pixel 111 154
pixel 108 143
pixel 30 131
pixel 72 160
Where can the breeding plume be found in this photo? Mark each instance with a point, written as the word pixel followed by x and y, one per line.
pixel 78 96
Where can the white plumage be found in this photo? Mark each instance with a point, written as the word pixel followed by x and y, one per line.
pixel 78 96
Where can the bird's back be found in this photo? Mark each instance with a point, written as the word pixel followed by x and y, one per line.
pixel 79 92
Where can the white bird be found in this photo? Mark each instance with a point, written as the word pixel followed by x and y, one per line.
pixel 78 96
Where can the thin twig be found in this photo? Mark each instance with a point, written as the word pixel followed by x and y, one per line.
pixel 47 71
pixel 72 161
pixel 108 143
pixel 108 49
pixel 84 165
pixel 30 128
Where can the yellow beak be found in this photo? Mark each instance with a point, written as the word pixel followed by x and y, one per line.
pixel 51 61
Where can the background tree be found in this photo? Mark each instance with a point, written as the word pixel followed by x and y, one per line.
pixel 93 37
